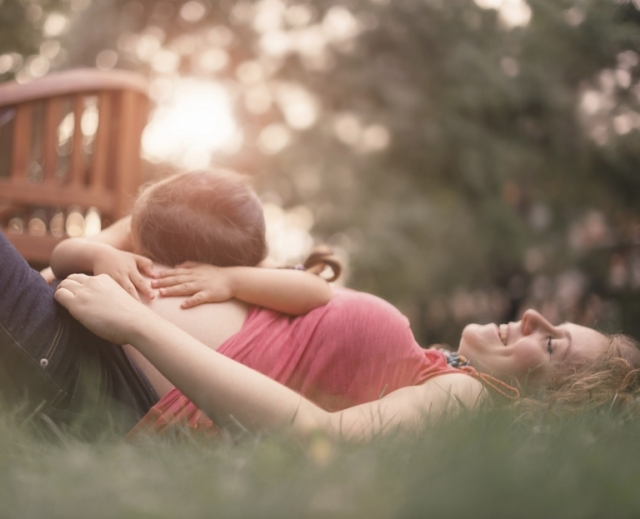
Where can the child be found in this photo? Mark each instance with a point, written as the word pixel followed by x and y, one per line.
pixel 200 221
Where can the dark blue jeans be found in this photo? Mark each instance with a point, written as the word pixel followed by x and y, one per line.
pixel 53 363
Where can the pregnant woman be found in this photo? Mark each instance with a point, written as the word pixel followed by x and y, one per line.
pixel 352 365
pixel 364 384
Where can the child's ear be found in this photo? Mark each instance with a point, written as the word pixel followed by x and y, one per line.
pixel 322 257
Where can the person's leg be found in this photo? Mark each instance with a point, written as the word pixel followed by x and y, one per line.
pixel 30 332
pixel 50 359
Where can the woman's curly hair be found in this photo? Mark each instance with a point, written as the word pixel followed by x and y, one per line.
pixel 610 380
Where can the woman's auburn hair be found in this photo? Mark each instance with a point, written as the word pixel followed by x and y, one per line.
pixel 208 216
pixel 610 380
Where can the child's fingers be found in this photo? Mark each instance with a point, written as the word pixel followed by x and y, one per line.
pixel 186 289
pixel 64 296
pixel 71 284
pixel 170 281
pixel 170 273
pixel 126 283
pixel 142 284
pixel 145 265
pixel 194 300
pixel 132 290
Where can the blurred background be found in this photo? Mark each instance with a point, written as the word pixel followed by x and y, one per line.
pixel 468 159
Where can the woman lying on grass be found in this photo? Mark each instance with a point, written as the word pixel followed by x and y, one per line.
pixel 531 351
pixel 349 367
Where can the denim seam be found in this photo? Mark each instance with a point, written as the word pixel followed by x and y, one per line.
pixel 54 344
pixel 54 400
pixel 31 359
pixel 50 353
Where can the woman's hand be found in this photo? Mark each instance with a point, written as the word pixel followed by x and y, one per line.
pixel 202 283
pixel 103 306
pixel 126 268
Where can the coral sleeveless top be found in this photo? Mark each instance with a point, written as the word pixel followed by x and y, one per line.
pixel 353 350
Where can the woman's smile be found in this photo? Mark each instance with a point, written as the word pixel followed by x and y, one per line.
pixel 503 333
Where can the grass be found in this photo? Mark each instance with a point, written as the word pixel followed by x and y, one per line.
pixel 483 465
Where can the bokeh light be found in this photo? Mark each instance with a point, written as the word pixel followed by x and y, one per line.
pixel 55 25
pixel 512 13
pixel 274 138
pixel 288 233
pixel 106 59
pixel 192 11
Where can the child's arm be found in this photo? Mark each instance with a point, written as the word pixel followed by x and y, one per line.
pixel 106 253
pixel 48 275
pixel 288 291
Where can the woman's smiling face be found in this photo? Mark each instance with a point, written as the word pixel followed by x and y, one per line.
pixel 528 349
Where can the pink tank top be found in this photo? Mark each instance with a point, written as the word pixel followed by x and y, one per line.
pixel 353 350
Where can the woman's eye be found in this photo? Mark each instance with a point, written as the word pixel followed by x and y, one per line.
pixel 549 346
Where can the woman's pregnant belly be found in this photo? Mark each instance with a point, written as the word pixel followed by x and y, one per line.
pixel 212 324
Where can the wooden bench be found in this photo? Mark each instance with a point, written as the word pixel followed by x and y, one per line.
pixel 69 149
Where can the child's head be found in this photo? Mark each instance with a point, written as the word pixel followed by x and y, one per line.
pixel 206 216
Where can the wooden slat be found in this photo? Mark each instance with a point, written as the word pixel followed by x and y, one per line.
pixel 98 175
pixel 70 82
pixel 132 108
pixel 76 167
pixel 21 141
pixel 22 192
pixel 50 139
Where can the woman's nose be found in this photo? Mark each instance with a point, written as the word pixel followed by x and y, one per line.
pixel 533 321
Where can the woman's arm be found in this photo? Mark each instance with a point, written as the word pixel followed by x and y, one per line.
pixel 229 392
pixel 288 291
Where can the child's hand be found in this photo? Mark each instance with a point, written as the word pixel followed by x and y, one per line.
pixel 126 269
pixel 203 283
pixel 48 275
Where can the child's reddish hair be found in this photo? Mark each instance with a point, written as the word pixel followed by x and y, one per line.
pixel 208 216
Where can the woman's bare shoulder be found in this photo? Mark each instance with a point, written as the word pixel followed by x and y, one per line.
pixel 464 388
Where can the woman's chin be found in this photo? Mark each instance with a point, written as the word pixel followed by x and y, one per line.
pixel 472 341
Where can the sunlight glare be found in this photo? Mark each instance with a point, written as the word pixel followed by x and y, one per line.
pixel 195 122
